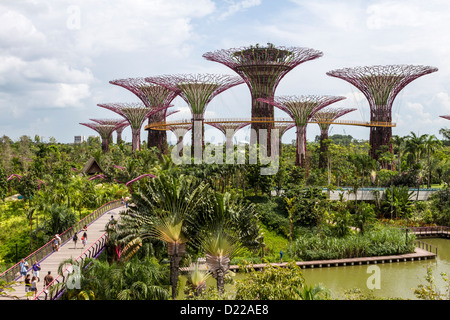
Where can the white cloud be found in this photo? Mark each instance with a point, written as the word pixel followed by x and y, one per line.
pixel 236 6
pixel 70 95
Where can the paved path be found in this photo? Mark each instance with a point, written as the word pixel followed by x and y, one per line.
pixel 68 250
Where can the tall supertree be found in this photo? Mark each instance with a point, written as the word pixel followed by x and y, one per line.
pixel 380 85
pixel 197 90
pixel 152 96
pixel 324 119
pixel 120 124
pixel 262 68
pixel 301 109
pixel 136 114
pixel 446 117
pixel 104 130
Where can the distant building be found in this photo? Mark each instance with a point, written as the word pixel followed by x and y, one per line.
pixel 79 139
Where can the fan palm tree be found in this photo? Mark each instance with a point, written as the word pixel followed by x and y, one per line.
pixel 197 280
pixel 163 205
pixel 220 248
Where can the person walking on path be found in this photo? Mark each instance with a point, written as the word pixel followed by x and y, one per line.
pixel 75 239
pixel 36 268
pixel 23 269
pixel 84 239
pixel 27 283
pixel 57 242
pixel 48 279
pixel 34 285
pixel 281 256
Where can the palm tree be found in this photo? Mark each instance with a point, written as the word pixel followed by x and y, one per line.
pixel 399 144
pixel 431 143
pixel 414 145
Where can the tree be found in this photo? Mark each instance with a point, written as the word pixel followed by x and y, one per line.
pixel 220 248
pixel 163 206
pixel 272 283
pixel 431 143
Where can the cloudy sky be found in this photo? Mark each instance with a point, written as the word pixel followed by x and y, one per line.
pixel 58 56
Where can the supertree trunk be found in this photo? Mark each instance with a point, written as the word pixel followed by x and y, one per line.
pixel 198 136
pixel 300 159
pixel 323 149
pixel 135 140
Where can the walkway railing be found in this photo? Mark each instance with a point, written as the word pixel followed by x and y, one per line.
pixel 13 273
pixel 426 246
pixel 92 252
pixel 430 231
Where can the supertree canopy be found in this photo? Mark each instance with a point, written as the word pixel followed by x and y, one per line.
pixel 120 124
pixel 380 85
pixel 153 96
pixel 446 117
pixel 197 90
pixel 136 114
pixel 324 119
pixel 301 109
pixel 262 68
pixel 104 130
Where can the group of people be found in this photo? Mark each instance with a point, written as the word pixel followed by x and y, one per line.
pixel 83 237
pixel 32 280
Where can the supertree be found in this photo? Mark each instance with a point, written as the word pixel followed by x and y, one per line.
pixel 282 128
pixel 152 96
pixel 104 130
pixel 180 131
pixel 136 114
pixel 197 90
pixel 301 109
pixel 120 124
pixel 446 117
pixel 262 69
pixel 229 129
pixel 380 85
pixel 324 119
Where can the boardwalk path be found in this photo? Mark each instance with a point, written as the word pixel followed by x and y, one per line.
pixel 95 230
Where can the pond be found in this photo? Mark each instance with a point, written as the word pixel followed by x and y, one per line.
pixel 396 280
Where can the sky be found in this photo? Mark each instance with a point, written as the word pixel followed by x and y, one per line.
pixel 58 56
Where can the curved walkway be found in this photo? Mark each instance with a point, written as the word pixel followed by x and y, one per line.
pixel 67 250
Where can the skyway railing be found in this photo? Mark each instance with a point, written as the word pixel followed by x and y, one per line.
pixel 174 123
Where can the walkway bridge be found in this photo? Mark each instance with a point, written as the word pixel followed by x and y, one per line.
pixel 50 260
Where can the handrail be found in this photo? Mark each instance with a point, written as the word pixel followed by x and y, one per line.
pixel 93 251
pixel 47 249
pixel 426 246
